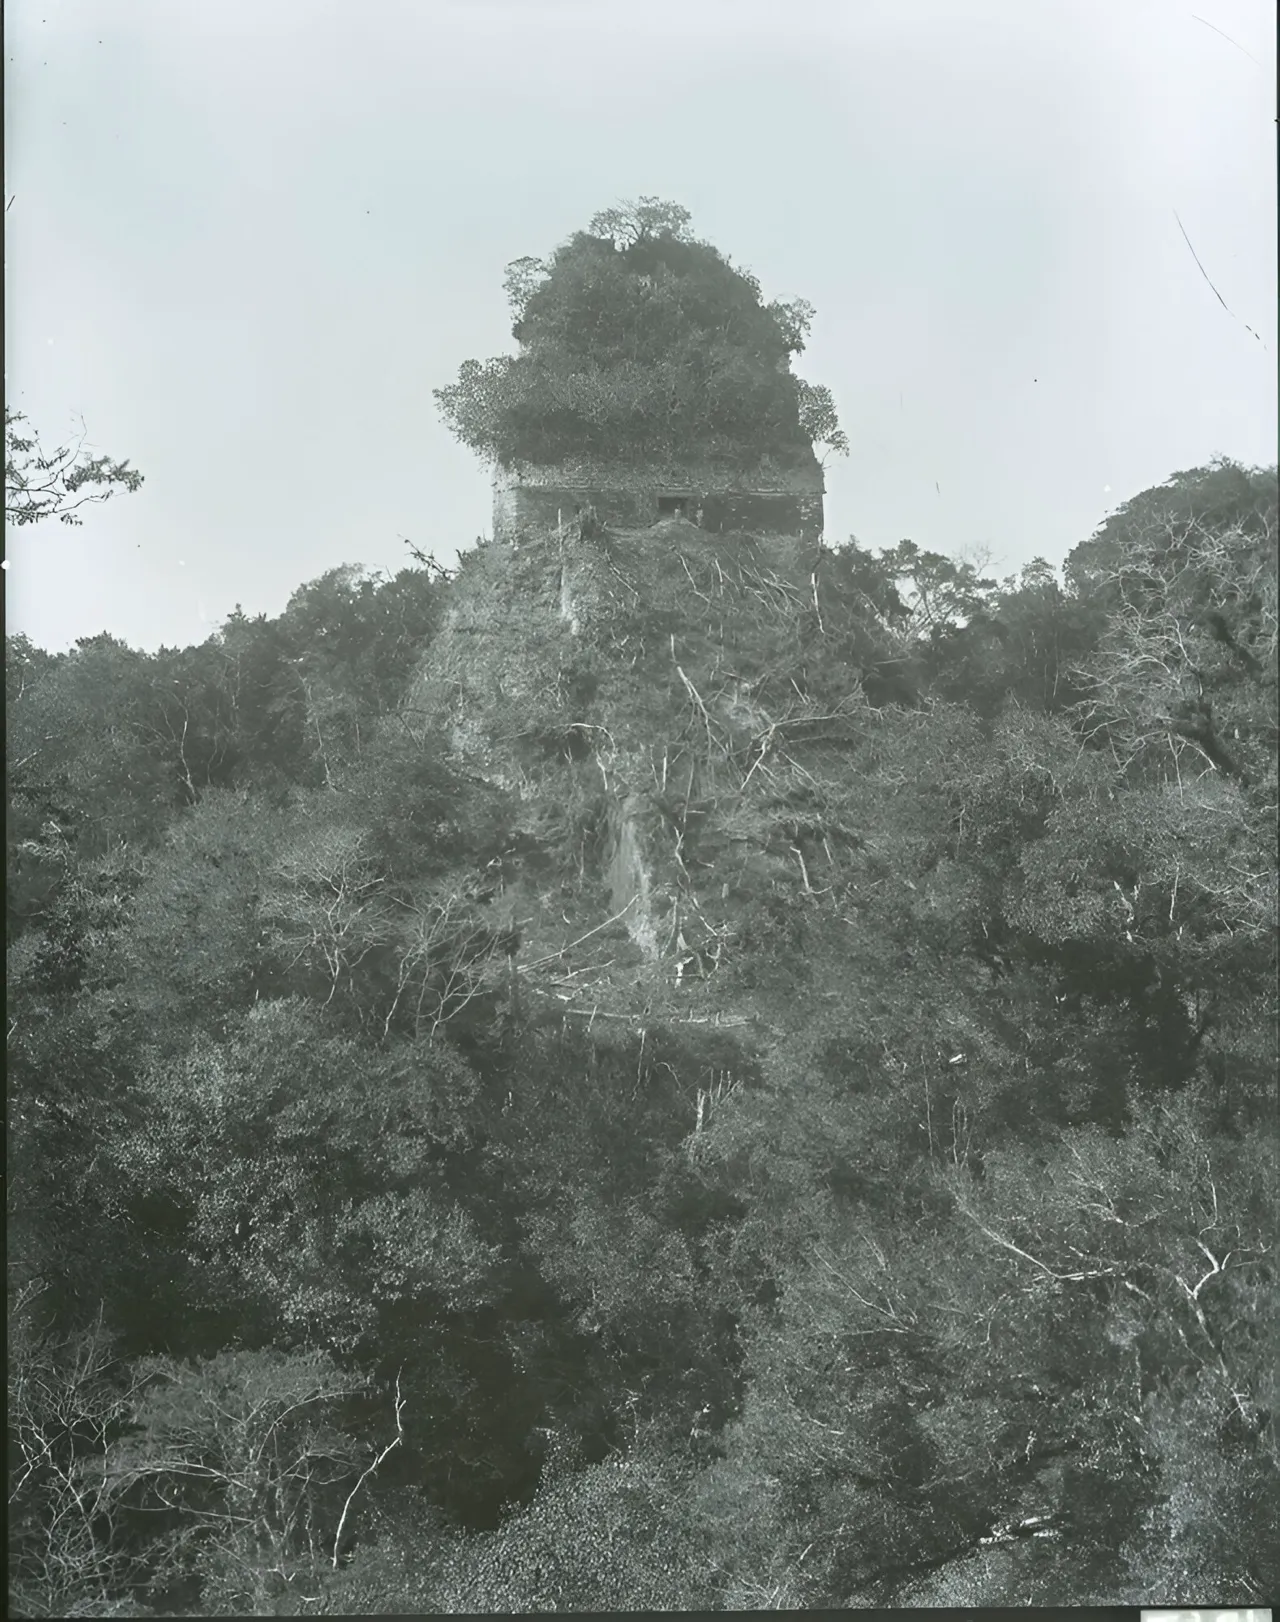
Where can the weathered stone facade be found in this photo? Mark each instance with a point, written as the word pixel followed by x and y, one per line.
pixel 766 500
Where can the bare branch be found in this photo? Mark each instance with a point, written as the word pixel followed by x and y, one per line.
pixel 391 1445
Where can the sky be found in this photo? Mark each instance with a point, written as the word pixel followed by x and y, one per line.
pixel 244 241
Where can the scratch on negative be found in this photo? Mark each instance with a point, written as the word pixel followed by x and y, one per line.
pixel 1214 290
pixel 1227 37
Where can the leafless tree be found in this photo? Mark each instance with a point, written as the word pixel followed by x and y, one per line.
pixel 67 1398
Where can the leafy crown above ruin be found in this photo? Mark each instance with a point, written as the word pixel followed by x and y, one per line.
pixel 638 341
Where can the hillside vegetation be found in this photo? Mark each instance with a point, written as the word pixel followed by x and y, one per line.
pixel 659 1071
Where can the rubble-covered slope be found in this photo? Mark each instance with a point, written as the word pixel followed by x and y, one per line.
pixel 677 714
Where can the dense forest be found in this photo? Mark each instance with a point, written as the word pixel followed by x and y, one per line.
pixel 655 1070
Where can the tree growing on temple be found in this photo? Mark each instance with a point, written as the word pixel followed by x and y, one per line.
pixel 638 339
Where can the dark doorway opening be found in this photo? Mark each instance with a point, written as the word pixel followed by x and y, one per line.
pixel 669 506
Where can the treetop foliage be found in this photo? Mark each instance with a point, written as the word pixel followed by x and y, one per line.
pixel 1220 498
pixel 40 485
pixel 638 340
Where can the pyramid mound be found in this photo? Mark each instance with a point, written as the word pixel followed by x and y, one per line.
pixel 667 707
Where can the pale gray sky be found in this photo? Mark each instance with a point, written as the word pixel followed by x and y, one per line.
pixel 248 237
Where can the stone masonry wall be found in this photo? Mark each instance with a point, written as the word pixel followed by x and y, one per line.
pixel 772 501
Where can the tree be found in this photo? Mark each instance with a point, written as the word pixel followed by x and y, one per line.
pixel 110 742
pixel 608 1539
pixel 192 954
pixel 295 698
pixel 69 1399
pixel 1224 495
pixel 243 1460
pixel 285 1241
pixel 631 223
pixel 1185 671
pixel 1025 641
pixel 818 418
pixel 638 339
pixel 56 484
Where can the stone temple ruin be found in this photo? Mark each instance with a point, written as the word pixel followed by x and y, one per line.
pixel 765 500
